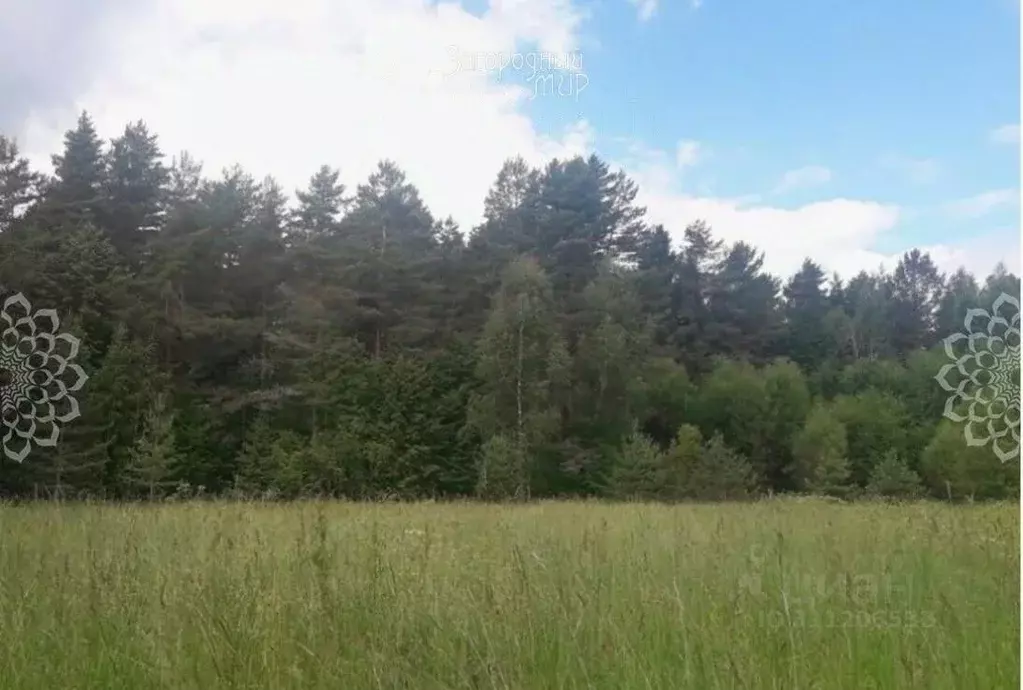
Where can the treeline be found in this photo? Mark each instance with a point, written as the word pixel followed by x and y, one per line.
pixel 349 343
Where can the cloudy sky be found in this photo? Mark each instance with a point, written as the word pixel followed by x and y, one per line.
pixel 846 131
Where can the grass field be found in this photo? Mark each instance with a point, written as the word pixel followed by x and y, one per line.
pixel 776 594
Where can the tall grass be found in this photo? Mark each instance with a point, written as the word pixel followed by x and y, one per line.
pixel 775 594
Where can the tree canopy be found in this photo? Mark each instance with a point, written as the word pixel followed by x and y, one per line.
pixel 240 337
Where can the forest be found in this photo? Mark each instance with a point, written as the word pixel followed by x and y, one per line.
pixel 243 340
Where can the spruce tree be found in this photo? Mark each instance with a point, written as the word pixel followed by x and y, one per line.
pixel 638 469
pixel 154 455
pixel 893 479
pixel 135 190
pixel 79 173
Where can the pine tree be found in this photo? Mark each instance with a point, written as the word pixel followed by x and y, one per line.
pixel 320 207
pixel 400 355
pixel 961 293
pixel 806 306
pixel 506 207
pixel 916 287
pixel 742 306
pixel 698 260
pixel 656 274
pixel 385 252
pixel 868 307
pixel 1000 281
pixel 18 183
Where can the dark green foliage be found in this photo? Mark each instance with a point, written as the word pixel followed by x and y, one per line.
pixel 638 470
pixel 667 398
pixel 742 305
pixel 806 310
pixel 953 469
pixel 135 190
pixel 788 402
pixel 916 288
pixel 80 172
pixel 719 473
pixel 682 461
pixel 502 469
pixel 356 344
pixel 320 207
pixel 695 276
pixel 820 450
pixel 733 401
pixel 891 478
pixel 608 376
pixel 875 423
pixel 18 184
pixel 521 367
pixel 256 471
pixel 154 456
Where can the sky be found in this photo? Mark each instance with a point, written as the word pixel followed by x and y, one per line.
pixel 844 131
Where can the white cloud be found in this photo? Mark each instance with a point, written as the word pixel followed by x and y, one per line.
pixel 645 8
pixel 1006 134
pixel 837 233
pixel 916 170
pixel 982 204
pixel 979 253
pixel 801 178
pixel 688 153
pixel 840 234
pixel 282 88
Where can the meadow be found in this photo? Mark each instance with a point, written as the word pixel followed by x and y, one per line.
pixel 780 593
